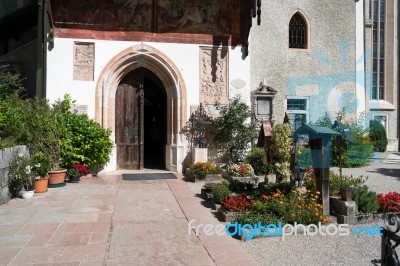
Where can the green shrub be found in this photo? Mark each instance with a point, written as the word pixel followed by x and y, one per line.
pixel 9 82
pixel 285 187
pixel 356 153
pixel 282 150
pixel 86 142
pixel 359 155
pixel 334 181
pixel 347 181
pixel 260 206
pixel 377 135
pixel 303 208
pixel 304 159
pixel 254 218
pixel 256 160
pixel 34 123
pixel 240 187
pixel 221 191
pixel 366 201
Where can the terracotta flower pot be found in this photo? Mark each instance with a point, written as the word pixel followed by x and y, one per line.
pixel 40 185
pixel 57 177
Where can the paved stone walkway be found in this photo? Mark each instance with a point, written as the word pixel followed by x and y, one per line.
pixel 109 221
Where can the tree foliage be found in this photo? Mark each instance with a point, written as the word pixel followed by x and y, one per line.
pixel 233 130
pixel 9 82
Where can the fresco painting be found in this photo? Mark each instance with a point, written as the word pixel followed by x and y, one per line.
pixel 214 17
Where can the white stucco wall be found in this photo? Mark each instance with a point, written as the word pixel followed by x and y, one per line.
pixel 185 56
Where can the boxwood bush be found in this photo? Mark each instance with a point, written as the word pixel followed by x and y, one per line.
pixel 377 135
pixel 366 201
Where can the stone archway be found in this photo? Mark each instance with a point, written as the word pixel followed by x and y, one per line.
pixel 144 56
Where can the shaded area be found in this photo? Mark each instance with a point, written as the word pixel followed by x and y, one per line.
pixel 387 172
pixel 155 122
pixel 148 176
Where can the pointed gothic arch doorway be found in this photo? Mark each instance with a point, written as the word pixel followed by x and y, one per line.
pixel 140 121
pixel 168 79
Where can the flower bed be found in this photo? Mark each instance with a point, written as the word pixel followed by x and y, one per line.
pixel 287 206
pixel 204 171
pixel 347 212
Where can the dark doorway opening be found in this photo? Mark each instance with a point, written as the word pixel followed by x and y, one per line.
pixel 155 121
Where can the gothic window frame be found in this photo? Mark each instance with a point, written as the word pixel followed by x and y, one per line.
pixel 379 18
pixel 298 31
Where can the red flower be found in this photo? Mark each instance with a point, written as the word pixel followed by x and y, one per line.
pixel 384 199
pixel 238 203
pixel 77 169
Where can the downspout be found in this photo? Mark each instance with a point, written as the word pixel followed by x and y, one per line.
pixel 44 48
pixel 398 75
pixel 40 51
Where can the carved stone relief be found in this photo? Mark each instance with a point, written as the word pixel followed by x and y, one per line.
pixel 213 75
pixel 83 61
pixel 80 109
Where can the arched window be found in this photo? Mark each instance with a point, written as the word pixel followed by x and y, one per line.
pixel 298 32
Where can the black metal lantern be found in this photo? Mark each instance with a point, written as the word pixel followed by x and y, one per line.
pixel 196 128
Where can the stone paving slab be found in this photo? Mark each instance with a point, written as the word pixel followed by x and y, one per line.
pixel 108 221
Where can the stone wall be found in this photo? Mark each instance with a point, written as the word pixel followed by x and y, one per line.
pixel 6 155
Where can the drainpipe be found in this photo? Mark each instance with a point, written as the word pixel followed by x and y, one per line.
pixel 398 74
pixel 40 52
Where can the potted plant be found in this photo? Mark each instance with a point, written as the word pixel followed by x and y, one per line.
pixel 41 167
pixel 75 172
pixel 44 130
pixel 21 176
pixel 58 137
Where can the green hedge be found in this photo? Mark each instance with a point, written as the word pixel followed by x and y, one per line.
pixel 377 135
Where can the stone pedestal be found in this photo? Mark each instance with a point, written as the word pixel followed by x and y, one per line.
pixel 346 211
pixel 199 155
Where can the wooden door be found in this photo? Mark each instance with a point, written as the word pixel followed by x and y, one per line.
pixel 129 101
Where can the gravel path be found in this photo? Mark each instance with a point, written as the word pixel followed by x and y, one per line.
pixel 383 176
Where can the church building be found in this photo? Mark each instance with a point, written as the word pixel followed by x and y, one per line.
pixel 141 67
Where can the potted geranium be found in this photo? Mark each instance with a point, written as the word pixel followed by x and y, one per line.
pixel 21 176
pixel 41 166
pixel 75 172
